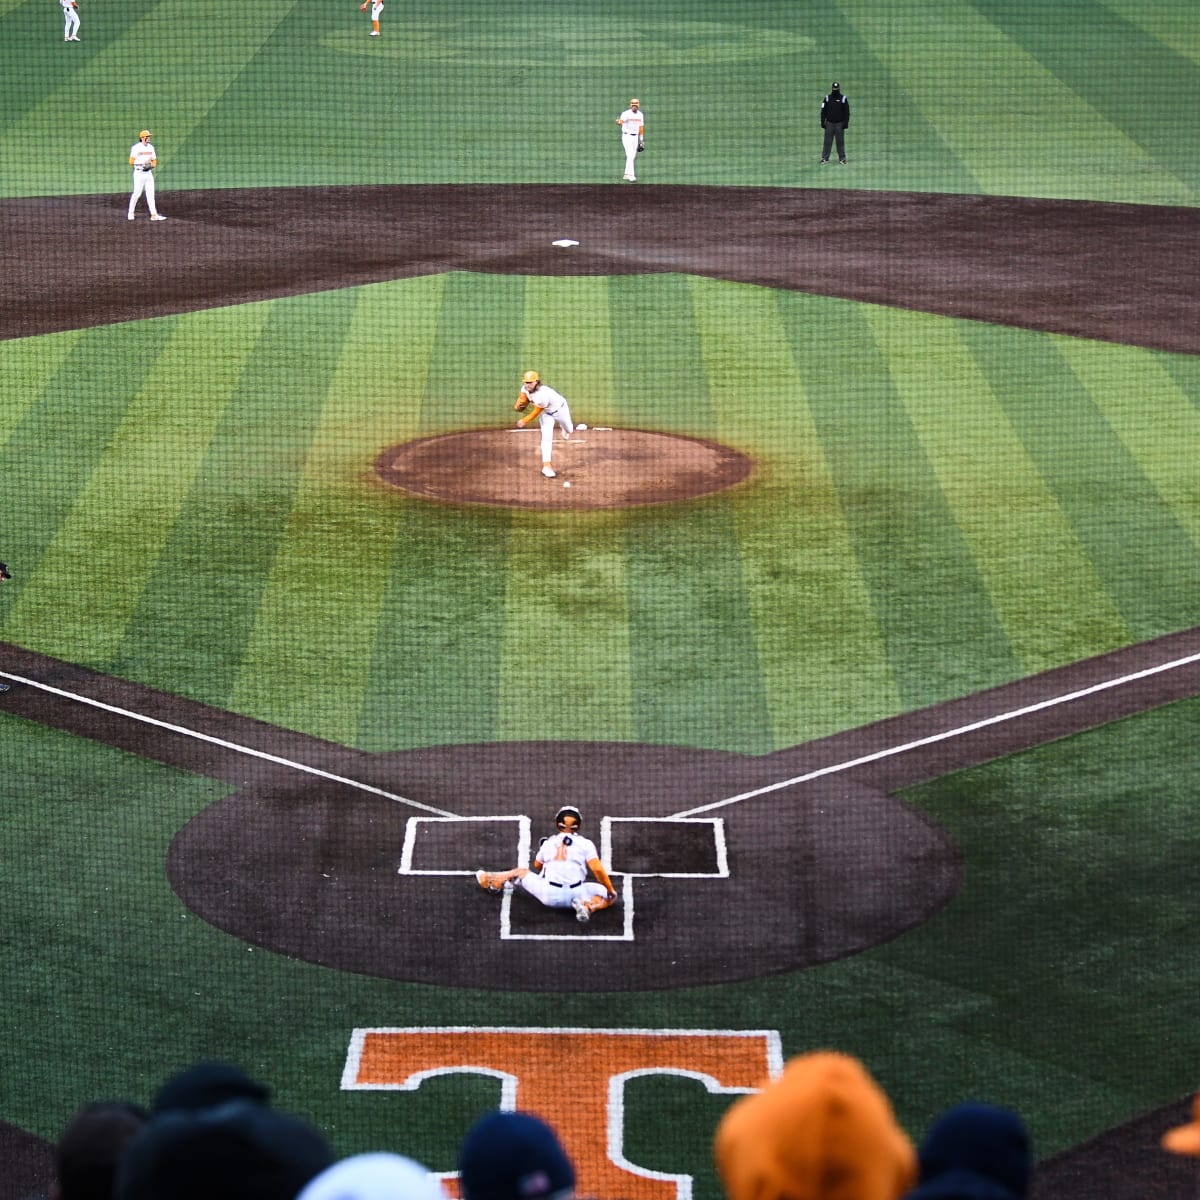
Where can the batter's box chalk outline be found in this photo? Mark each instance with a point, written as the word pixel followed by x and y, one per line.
pixel 719 846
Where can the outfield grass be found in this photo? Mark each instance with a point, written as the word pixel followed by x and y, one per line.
pixel 937 506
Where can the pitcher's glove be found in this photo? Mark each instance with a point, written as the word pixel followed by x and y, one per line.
pixel 641 147
pixel 522 403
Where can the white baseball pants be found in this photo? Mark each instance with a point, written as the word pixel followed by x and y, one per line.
pixel 554 895
pixel 547 421
pixel 143 181
pixel 70 23
pixel 631 145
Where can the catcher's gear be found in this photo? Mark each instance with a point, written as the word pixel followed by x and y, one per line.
pixel 568 810
pixel 531 377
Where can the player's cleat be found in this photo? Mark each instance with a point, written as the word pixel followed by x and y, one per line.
pixel 824 162
pixel 582 915
pixel 4 687
pixel 842 161
pixel 549 472
pixel 158 217
pixel 374 32
pixel 628 178
pixel 489 882
pixel 130 217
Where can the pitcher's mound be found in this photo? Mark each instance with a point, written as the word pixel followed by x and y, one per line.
pixel 605 468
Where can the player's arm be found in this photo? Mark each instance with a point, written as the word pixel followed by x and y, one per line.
pixel 602 877
pixel 535 411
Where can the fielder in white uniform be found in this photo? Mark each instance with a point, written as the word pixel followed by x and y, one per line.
pixel 559 878
pixel 70 20
pixel 633 134
pixel 143 158
pixel 376 9
pixel 549 408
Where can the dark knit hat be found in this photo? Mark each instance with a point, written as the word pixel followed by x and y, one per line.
pixel 975 1152
pixel 238 1151
pixel 513 1156
pixel 207 1084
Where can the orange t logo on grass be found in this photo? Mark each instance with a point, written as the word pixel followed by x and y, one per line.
pixel 573 1078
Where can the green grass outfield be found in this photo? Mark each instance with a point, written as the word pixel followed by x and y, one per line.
pixel 939 506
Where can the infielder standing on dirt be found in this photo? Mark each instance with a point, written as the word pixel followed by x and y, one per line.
pixel 143 158
pixel 70 20
pixel 549 408
pixel 633 136
pixel 376 7
pixel 559 878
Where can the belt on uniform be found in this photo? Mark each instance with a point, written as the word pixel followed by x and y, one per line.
pixel 566 885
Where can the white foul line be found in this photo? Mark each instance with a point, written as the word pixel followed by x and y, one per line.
pixel 904 747
pixel 216 741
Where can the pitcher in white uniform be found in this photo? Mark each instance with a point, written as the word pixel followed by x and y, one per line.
pixel 538 401
pixel 559 876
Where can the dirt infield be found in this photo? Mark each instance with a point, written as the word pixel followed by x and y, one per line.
pixel 596 468
pixel 1117 272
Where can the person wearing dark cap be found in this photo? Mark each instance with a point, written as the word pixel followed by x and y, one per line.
pixel 207 1084
pixel 90 1148
pixel 236 1151
pixel 4 687
pixel 514 1156
pixel 974 1152
pixel 835 120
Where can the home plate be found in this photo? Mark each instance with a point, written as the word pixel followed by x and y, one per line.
pixel 564 242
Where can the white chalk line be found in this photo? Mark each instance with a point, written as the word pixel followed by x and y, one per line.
pixel 933 738
pixel 184 731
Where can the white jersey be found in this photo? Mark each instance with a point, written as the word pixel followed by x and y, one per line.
pixel 565 857
pixel 632 122
pixel 67 5
pixel 142 153
pixel 545 398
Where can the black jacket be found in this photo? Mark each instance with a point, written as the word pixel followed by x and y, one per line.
pixel 836 108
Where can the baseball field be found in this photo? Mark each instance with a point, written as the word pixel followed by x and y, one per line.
pixel 866 636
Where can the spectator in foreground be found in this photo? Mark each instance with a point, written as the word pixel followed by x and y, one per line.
pixel 975 1152
pixel 207 1084
pixel 514 1156
pixel 823 1130
pixel 1185 1139
pixel 90 1149
pixel 235 1151
pixel 378 1176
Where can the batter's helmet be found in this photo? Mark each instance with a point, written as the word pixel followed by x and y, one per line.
pixel 532 377
pixel 144 133
pixel 568 810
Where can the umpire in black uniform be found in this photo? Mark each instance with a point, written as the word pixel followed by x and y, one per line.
pixel 835 120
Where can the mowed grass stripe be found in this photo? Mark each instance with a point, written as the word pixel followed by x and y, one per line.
pixel 80 407
pixel 823 662
pixel 696 676
pixel 208 582
pixel 134 494
pixel 1043 585
pixel 308 660
pixel 27 366
pixel 1173 24
pixel 1043 139
pixel 171 43
pixel 936 616
pixel 435 663
pixel 1122 76
pixel 1122 523
pixel 1156 422
pixel 566 615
